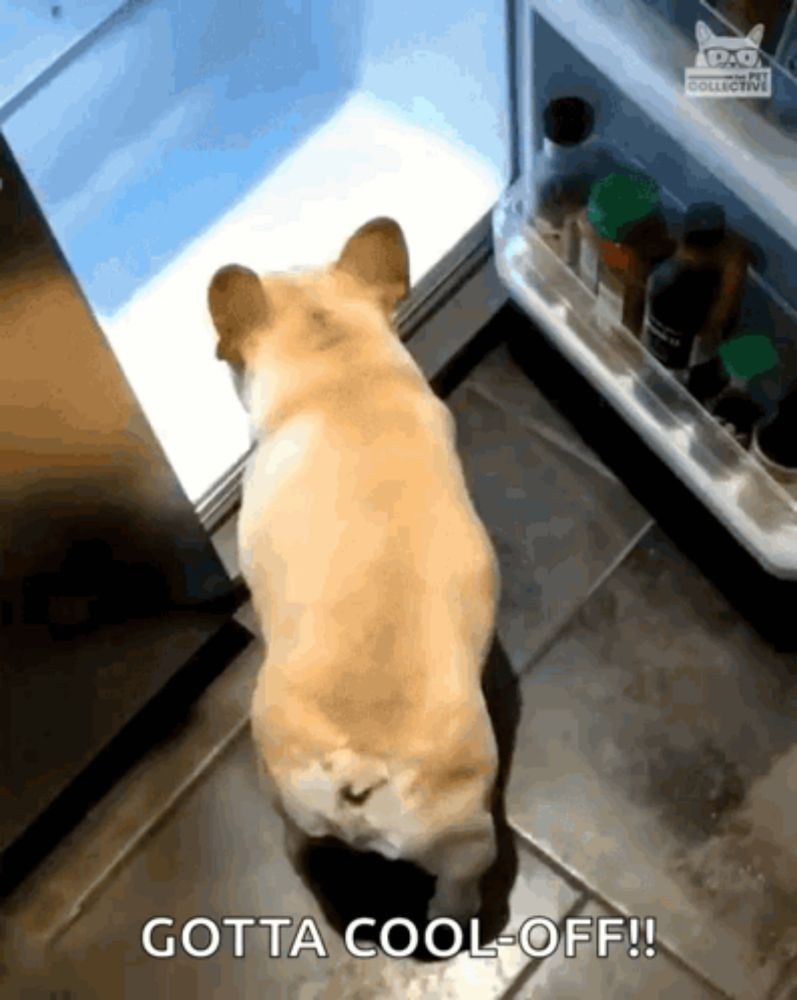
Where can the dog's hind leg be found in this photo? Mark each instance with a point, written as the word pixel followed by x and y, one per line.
pixel 459 861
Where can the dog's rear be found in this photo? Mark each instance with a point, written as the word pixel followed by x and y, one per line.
pixel 381 735
pixel 430 805
pixel 373 579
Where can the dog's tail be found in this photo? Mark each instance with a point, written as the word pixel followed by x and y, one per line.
pixel 344 793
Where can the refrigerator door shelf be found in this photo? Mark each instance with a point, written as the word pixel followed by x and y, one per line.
pixel 743 141
pixel 757 510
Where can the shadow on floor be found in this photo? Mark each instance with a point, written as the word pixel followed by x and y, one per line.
pixel 348 883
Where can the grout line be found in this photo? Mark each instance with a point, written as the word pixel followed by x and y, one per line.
pixel 143 832
pixel 535 964
pixel 577 882
pixel 565 873
pixel 585 457
pixel 602 577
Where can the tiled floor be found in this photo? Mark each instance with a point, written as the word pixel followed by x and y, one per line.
pixel 661 753
pixel 654 775
pixel 558 521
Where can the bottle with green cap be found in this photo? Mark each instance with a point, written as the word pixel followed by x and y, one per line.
pixel 774 442
pixel 622 237
pixel 749 364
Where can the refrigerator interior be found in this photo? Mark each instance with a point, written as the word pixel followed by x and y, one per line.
pixel 183 138
pixel 697 150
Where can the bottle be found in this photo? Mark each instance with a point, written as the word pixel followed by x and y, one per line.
pixel 678 303
pixel 622 237
pixel 775 442
pixel 564 174
pixel 693 298
pixel 738 413
pixel 708 242
pixel 750 362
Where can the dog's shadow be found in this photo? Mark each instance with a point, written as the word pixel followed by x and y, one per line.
pixel 349 884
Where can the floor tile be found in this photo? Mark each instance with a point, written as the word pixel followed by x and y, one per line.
pixel 656 758
pixel 500 378
pixel 220 853
pixel 538 891
pixel 451 329
pixel 558 524
pixel 47 898
pixel 617 976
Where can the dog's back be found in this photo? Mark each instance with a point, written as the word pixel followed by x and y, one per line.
pixel 372 576
pixel 369 711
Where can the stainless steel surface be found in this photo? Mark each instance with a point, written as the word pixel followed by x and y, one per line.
pixel 104 564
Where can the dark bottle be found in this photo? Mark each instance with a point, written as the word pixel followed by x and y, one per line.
pixel 693 298
pixel 679 301
pixel 707 242
pixel 776 438
pixel 570 161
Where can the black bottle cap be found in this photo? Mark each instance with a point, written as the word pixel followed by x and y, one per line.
pixel 568 121
pixel 704 224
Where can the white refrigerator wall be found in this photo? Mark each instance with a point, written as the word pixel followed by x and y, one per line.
pixel 191 135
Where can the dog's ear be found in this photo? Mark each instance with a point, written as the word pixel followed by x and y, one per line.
pixel 377 256
pixel 238 305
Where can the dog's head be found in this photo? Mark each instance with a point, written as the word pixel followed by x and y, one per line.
pixel 371 272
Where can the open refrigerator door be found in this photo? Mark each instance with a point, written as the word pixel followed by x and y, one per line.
pixel 689 111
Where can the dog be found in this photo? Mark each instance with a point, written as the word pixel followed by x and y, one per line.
pixel 371 575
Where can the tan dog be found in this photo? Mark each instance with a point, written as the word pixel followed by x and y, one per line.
pixel 372 577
